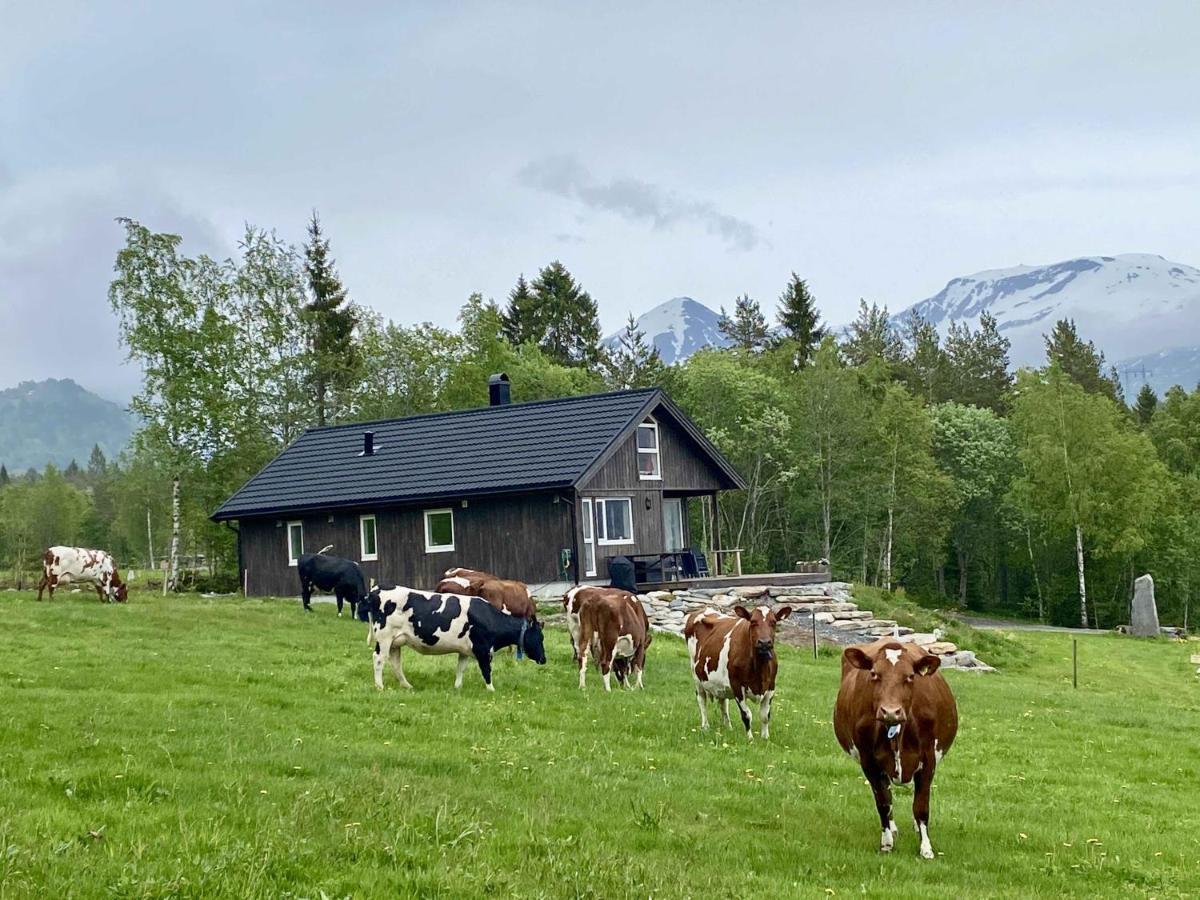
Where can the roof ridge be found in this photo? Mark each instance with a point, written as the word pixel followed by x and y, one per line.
pixel 478 409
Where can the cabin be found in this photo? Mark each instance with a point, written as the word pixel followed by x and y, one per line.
pixel 547 491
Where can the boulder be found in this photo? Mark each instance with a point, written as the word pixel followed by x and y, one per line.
pixel 750 592
pixel 1144 619
pixel 920 638
pixel 660 596
pixel 941 648
pixel 825 618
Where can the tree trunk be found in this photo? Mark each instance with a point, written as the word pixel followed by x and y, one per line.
pixel 887 554
pixel 939 578
pixel 1083 619
pixel 963 560
pixel 149 542
pixel 171 582
pixel 1037 582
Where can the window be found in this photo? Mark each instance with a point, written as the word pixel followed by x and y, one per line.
pixel 439 530
pixel 366 538
pixel 649 462
pixel 295 542
pixel 589 539
pixel 614 520
pixel 673 523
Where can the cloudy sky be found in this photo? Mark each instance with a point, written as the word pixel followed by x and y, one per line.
pixel 658 149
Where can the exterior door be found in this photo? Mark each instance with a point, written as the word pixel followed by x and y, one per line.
pixel 673 523
pixel 589 540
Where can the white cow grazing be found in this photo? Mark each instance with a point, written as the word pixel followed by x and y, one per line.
pixel 69 564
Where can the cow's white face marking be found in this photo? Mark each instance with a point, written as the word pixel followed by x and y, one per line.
pixel 926 847
pixel 893 656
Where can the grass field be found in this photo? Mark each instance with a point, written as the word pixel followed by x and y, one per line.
pixel 190 747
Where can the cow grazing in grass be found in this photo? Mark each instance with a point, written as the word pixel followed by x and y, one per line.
pixel 896 716
pixel 610 624
pixel 435 624
pixel 733 657
pixel 69 564
pixel 341 577
pixel 508 596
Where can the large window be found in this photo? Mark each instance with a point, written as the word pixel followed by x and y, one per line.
pixel 649 459
pixel 614 520
pixel 295 542
pixel 366 538
pixel 439 530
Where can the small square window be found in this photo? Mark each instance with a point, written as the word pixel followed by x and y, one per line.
pixel 439 530
pixel 295 542
pixel 366 536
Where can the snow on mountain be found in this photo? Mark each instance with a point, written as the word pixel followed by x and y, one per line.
pixel 1128 305
pixel 1161 370
pixel 678 328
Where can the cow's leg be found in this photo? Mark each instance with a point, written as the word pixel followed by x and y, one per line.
pixel 341 599
pixel 383 648
pixel 703 708
pixel 102 594
pixel 922 782
pixel 725 713
pixel 605 658
pixel 42 585
pixel 306 594
pixel 463 662
pixel 398 665
pixel 744 710
pixel 585 644
pixel 883 804
pixel 484 657
pixel 764 714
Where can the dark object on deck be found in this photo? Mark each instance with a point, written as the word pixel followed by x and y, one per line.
pixel 620 574
pixel 342 577
pixel 695 564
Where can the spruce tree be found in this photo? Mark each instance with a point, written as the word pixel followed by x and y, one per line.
pixel 1147 402
pixel 5 479
pixel 747 327
pixel 330 321
pixel 799 318
pixel 873 337
pixel 1080 360
pixel 564 319
pixel 926 364
pixel 519 319
pixel 633 363
pixel 97 463
pixel 977 363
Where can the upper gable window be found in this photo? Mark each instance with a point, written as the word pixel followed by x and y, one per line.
pixel 649 459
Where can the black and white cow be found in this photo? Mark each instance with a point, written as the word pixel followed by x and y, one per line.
pixel 434 624
pixel 342 577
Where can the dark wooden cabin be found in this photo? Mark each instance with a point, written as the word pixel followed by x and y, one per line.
pixel 544 491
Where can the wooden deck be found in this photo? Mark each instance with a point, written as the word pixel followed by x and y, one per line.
pixel 716 582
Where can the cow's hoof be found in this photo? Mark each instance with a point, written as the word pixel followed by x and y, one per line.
pixel 491 687
pixel 887 842
pixel 926 853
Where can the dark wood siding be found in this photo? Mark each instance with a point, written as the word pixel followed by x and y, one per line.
pixel 517 537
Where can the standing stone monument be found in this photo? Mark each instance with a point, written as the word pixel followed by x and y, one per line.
pixel 1145 614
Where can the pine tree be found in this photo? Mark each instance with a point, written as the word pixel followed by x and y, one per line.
pixel 5 479
pixel 330 319
pixel 800 319
pixel 97 463
pixel 563 318
pixel 977 363
pixel 519 324
pixel 926 364
pixel 873 337
pixel 747 327
pixel 1146 403
pixel 1080 360
pixel 633 363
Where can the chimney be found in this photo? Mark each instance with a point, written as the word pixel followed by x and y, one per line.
pixel 368 444
pixel 499 390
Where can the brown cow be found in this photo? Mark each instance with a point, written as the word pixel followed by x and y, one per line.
pixel 507 596
pixel 896 716
pixel 734 657
pixel 612 625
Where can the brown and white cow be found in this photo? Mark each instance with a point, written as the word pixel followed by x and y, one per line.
pixel 69 564
pixel 896 716
pixel 612 625
pixel 508 596
pixel 733 657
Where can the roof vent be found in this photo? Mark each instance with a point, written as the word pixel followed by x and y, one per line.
pixel 499 390
pixel 369 447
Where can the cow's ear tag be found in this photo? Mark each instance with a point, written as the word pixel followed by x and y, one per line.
pixel 893 731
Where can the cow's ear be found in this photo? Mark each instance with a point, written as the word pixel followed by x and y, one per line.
pixel 858 658
pixel 741 612
pixel 927 665
pixel 782 613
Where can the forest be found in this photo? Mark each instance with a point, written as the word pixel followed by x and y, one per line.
pixel 906 459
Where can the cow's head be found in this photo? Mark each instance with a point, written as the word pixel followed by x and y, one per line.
pixel 762 627
pixel 117 589
pixel 531 641
pixel 893 670
pixel 372 608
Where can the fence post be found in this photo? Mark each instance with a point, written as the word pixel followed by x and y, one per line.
pixel 1075 662
pixel 814 630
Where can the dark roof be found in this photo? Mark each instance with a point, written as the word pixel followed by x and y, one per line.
pixel 520 447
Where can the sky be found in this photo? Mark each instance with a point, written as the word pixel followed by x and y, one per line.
pixel 657 149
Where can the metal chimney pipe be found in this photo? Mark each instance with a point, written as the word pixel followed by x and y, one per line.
pixel 499 390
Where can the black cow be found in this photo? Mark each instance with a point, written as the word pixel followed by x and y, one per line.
pixel 332 574
pixel 434 624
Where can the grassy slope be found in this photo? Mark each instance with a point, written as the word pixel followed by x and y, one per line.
pixel 238 748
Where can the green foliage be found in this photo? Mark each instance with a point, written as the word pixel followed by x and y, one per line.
pixel 330 320
pixel 1143 407
pixel 977 365
pixel 873 340
pixel 800 320
pixel 747 327
pixel 632 363
pixel 555 313
pixel 1080 361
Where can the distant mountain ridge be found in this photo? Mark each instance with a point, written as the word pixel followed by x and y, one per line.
pixel 55 421
pixel 678 328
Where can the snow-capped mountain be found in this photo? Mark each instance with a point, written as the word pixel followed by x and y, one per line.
pixel 678 328
pixel 1178 365
pixel 1128 305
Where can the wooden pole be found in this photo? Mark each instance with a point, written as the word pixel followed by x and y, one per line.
pixel 814 629
pixel 1075 662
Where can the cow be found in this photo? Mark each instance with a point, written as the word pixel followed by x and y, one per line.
pixel 612 625
pixel 734 657
pixel 67 564
pixel 512 597
pixel 342 577
pixel 434 624
pixel 896 716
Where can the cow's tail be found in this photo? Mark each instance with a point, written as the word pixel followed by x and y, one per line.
pixel 325 549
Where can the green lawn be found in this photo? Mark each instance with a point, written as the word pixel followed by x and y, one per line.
pixel 190 747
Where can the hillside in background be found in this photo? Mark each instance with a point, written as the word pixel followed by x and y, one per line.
pixel 57 421
pixel 678 328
